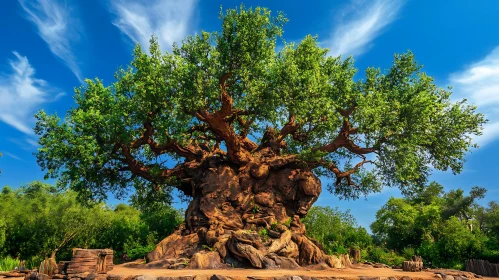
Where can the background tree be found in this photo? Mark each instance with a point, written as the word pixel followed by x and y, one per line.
pixel 37 218
pixel 244 131
pixel 338 231
pixel 444 228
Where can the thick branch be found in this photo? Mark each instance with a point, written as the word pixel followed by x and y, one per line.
pixel 189 153
pixel 138 169
pixel 220 123
pixel 343 141
pixel 346 174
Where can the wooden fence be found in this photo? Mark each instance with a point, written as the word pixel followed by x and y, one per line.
pixel 483 268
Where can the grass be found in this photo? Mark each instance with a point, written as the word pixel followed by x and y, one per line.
pixel 8 263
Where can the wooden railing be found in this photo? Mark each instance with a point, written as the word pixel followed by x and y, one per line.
pixel 483 268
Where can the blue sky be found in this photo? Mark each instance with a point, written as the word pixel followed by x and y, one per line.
pixel 49 46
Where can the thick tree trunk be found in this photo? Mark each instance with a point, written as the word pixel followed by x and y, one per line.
pixel 250 217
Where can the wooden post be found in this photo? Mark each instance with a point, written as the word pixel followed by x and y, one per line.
pixel 416 264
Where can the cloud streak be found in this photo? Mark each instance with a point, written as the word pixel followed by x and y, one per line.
pixel 21 94
pixel 479 83
pixel 170 21
pixel 361 23
pixel 57 27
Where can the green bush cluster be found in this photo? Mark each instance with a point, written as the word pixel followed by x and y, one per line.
pixel 444 228
pixel 8 263
pixel 336 230
pixel 37 218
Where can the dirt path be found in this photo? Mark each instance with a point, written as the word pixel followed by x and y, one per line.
pixel 264 273
pixel 236 274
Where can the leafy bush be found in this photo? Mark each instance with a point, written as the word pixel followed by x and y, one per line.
pixel 336 230
pixel 41 218
pixel 381 255
pixel 8 263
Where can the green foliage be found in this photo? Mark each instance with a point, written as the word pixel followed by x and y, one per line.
pixel 208 248
pixel 444 228
pixel 336 230
pixel 38 218
pixel 400 113
pixel 382 255
pixel 8 263
pixel 287 222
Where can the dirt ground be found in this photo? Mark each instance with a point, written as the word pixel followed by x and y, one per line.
pixel 348 273
pixel 235 273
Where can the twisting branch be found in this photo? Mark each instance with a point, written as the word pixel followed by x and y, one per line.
pixel 189 153
pixel 345 174
pixel 220 123
pixel 343 140
pixel 138 169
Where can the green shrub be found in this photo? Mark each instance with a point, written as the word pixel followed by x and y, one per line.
pixel 381 255
pixel 8 263
pixel 408 252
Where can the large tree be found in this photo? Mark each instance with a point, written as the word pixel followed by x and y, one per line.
pixel 244 129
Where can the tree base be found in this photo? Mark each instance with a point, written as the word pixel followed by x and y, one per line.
pixel 274 248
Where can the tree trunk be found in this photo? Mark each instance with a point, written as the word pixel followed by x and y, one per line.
pixel 250 216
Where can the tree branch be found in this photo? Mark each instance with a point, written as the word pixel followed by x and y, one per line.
pixel 220 123
pixel 189 153
pixel 138 169
pixel 345 174
pixel 343 141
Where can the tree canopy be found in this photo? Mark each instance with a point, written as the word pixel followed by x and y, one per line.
pixel 232 94
pixel 36 219
pixel 445 228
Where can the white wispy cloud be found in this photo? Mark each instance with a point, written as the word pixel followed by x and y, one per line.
pixel 21 94
pixel 169 20
pixel 12 156
pixel 360 23
pixel 479 83
pixel 58 27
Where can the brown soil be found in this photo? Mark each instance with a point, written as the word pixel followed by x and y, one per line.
pixel 237 273
pixel 346 273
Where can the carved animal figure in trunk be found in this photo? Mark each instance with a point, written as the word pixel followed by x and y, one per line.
pixel 245 132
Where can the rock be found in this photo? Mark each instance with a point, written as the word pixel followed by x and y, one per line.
pixel 220 246
pixel 174 246
pixel 205 260
pixel 115 277
pixel 41 276
pixel 396 267
pixel 280 243
pixel 94 276
pixel 146 277
pixel 369 278
pixel 354 254
pixel 333 261
pixel 180 278
pixel 319 266
pixel 219 277
pixel 309 253
pixel 178 265
pixel 273 233
pixel 345 260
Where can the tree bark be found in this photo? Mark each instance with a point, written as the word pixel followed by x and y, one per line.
pixel 250 216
